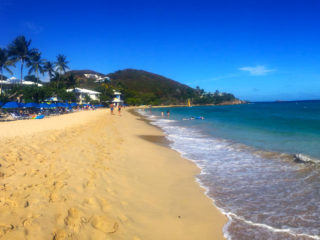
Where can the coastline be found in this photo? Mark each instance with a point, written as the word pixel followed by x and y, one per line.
pixel 236 102
pixel 90 175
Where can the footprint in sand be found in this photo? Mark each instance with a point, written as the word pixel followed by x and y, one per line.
pixel 4 228
pixel 123 218
pixel 60 235
pixel 90 201
pixel 53 197
pixel 74 219
pixel 104 205
pixel 104 224
pixel 88 184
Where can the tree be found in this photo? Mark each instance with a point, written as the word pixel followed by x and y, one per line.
pixel 36 64
pixel 19 50
pixel 5 63
pixel 49 68
pixel 70 81
pixel 66 96
pixel 87 98
pixel 61 65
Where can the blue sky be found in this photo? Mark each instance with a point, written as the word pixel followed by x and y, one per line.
pixel 258 50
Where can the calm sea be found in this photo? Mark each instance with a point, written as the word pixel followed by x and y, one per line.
pixel 247 157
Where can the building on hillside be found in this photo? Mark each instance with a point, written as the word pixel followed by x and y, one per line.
pixel 117 98
pixel 102 80
pixel 98 78
pixel 81 94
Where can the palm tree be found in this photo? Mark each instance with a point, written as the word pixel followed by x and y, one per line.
pixel 19 50
pixel 49 67
pixel 61 65
pixel 5 63
pixel 36 64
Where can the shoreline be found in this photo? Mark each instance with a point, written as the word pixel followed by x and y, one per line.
pixel 188 170
pixel 163 141
pixel 238 102
pixel 92 175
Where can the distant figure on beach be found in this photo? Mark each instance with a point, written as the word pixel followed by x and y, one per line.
pixel 111 108
pixel 119 109
pixel 168 113
pixel 162 114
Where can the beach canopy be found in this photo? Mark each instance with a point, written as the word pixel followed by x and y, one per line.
pixel 11 105
pixel 44 105
pixel 30 105
pixel 52 105
pixel 60 104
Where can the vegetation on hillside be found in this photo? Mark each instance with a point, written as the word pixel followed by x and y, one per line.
pixel 141 87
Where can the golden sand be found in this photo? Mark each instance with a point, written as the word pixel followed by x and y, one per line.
pixel 90 175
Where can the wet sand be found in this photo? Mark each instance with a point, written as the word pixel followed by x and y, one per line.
pixel 90 175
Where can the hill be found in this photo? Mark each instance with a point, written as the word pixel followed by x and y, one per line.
pixel 142 87
pixel 150 87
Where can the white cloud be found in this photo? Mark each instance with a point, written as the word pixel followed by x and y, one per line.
pixel 257 70
pixel 33 27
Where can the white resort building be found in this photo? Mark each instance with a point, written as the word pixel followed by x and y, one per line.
pixel 10 82
pixel 98 78
pixel 81 93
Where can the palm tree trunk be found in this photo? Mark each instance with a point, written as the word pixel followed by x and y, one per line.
pixel 58 80
pixel 1 82
pixel 21 69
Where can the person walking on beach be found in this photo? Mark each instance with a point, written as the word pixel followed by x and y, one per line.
pixel 168 113
pixel 111 108
pixel 119 109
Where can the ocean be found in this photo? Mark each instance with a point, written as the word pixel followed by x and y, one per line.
pixel 259 163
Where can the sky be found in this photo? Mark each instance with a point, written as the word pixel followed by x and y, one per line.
pixel 259 50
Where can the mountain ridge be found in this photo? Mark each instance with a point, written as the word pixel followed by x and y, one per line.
pixel 143 87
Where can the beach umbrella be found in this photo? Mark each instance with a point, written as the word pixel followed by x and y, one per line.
pixel 30 105
pixel 52 105
pixel 44 105
pixel 11 105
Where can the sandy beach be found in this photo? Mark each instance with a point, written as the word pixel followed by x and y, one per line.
pixel 92 175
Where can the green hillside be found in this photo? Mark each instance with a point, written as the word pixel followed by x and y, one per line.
pixel 142 87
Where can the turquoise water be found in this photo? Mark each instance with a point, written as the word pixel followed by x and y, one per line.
pixel 245 153
pixel 289 127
